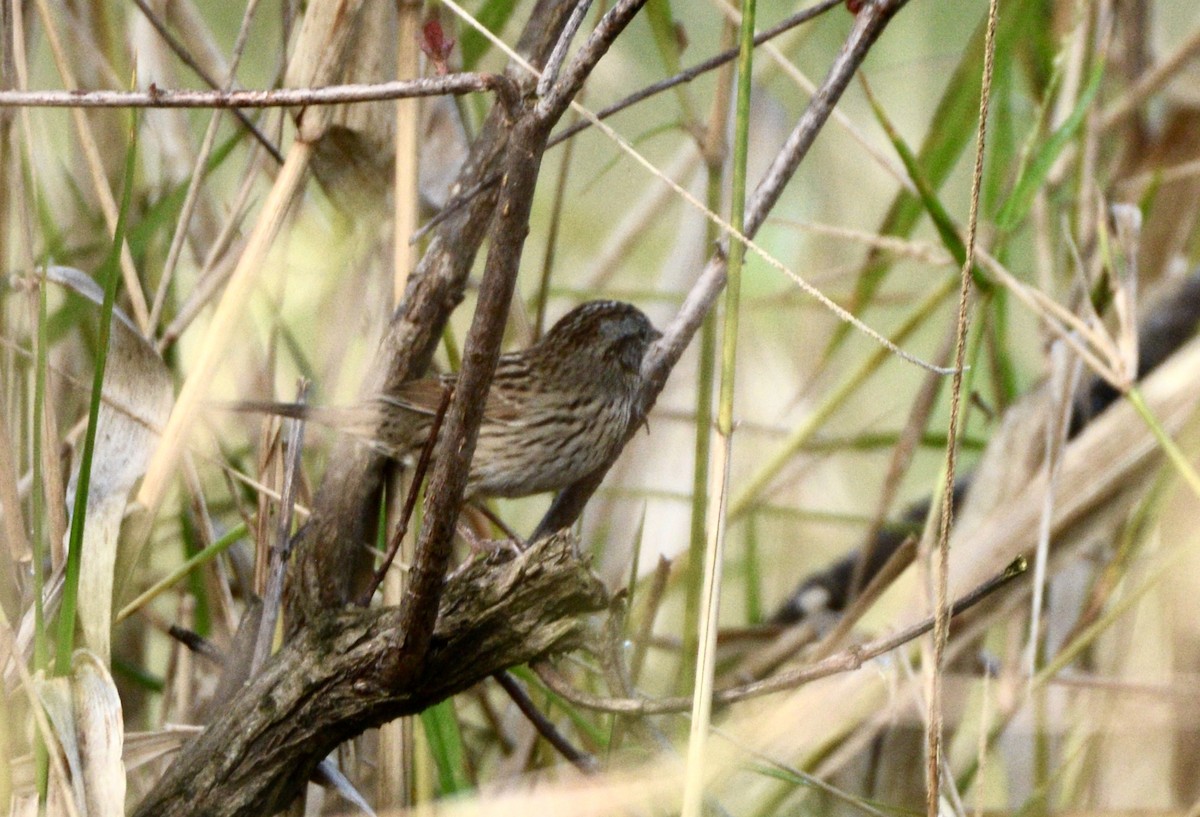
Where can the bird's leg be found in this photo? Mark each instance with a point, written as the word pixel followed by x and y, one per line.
pixel 474 530
pixel 495 519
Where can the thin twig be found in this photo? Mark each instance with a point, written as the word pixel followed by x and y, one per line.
pixel 581 760
pixel 155 97
pixel 410 501
pixel 941 568
pixel 845 661
pixel 186 58
pixel 689 74
pixel 654 599
pixel 716 519
pixel 555 60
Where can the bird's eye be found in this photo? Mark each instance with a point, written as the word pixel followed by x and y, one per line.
pixel 629 353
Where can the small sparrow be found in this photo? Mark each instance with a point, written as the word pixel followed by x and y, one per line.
pixel 555 411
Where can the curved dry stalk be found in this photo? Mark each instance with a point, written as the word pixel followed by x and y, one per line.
pixel 847 660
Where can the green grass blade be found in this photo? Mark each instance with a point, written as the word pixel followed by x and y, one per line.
pixel 943 222
pixel 492 16
pixel 41 647
pixel 37 497
pixel 1175 455
pixel 215 549
pixel 109 274
pixel 956 117
pixel 753 574
pixel 444 737
pixel 1017 206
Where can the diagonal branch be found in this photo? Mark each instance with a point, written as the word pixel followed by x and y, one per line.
pixel 456 446
pixel 870 22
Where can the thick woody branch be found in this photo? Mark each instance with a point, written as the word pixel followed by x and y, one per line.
pixel 335 679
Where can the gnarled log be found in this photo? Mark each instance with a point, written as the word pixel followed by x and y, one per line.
pixel 338 677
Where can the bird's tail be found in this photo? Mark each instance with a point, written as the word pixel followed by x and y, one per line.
pixel 362 421
pixel 297 411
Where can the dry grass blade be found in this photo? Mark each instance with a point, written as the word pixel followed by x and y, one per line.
pixel 86 713
pixel 1098 468
pixel 229 312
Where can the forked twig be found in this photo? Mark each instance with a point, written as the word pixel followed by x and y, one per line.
pixel 580 759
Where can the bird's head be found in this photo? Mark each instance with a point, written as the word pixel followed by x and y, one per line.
pixel 608 337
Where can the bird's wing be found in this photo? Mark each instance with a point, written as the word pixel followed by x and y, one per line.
pixel 500 409
pixel 419 396
pixel 425 397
